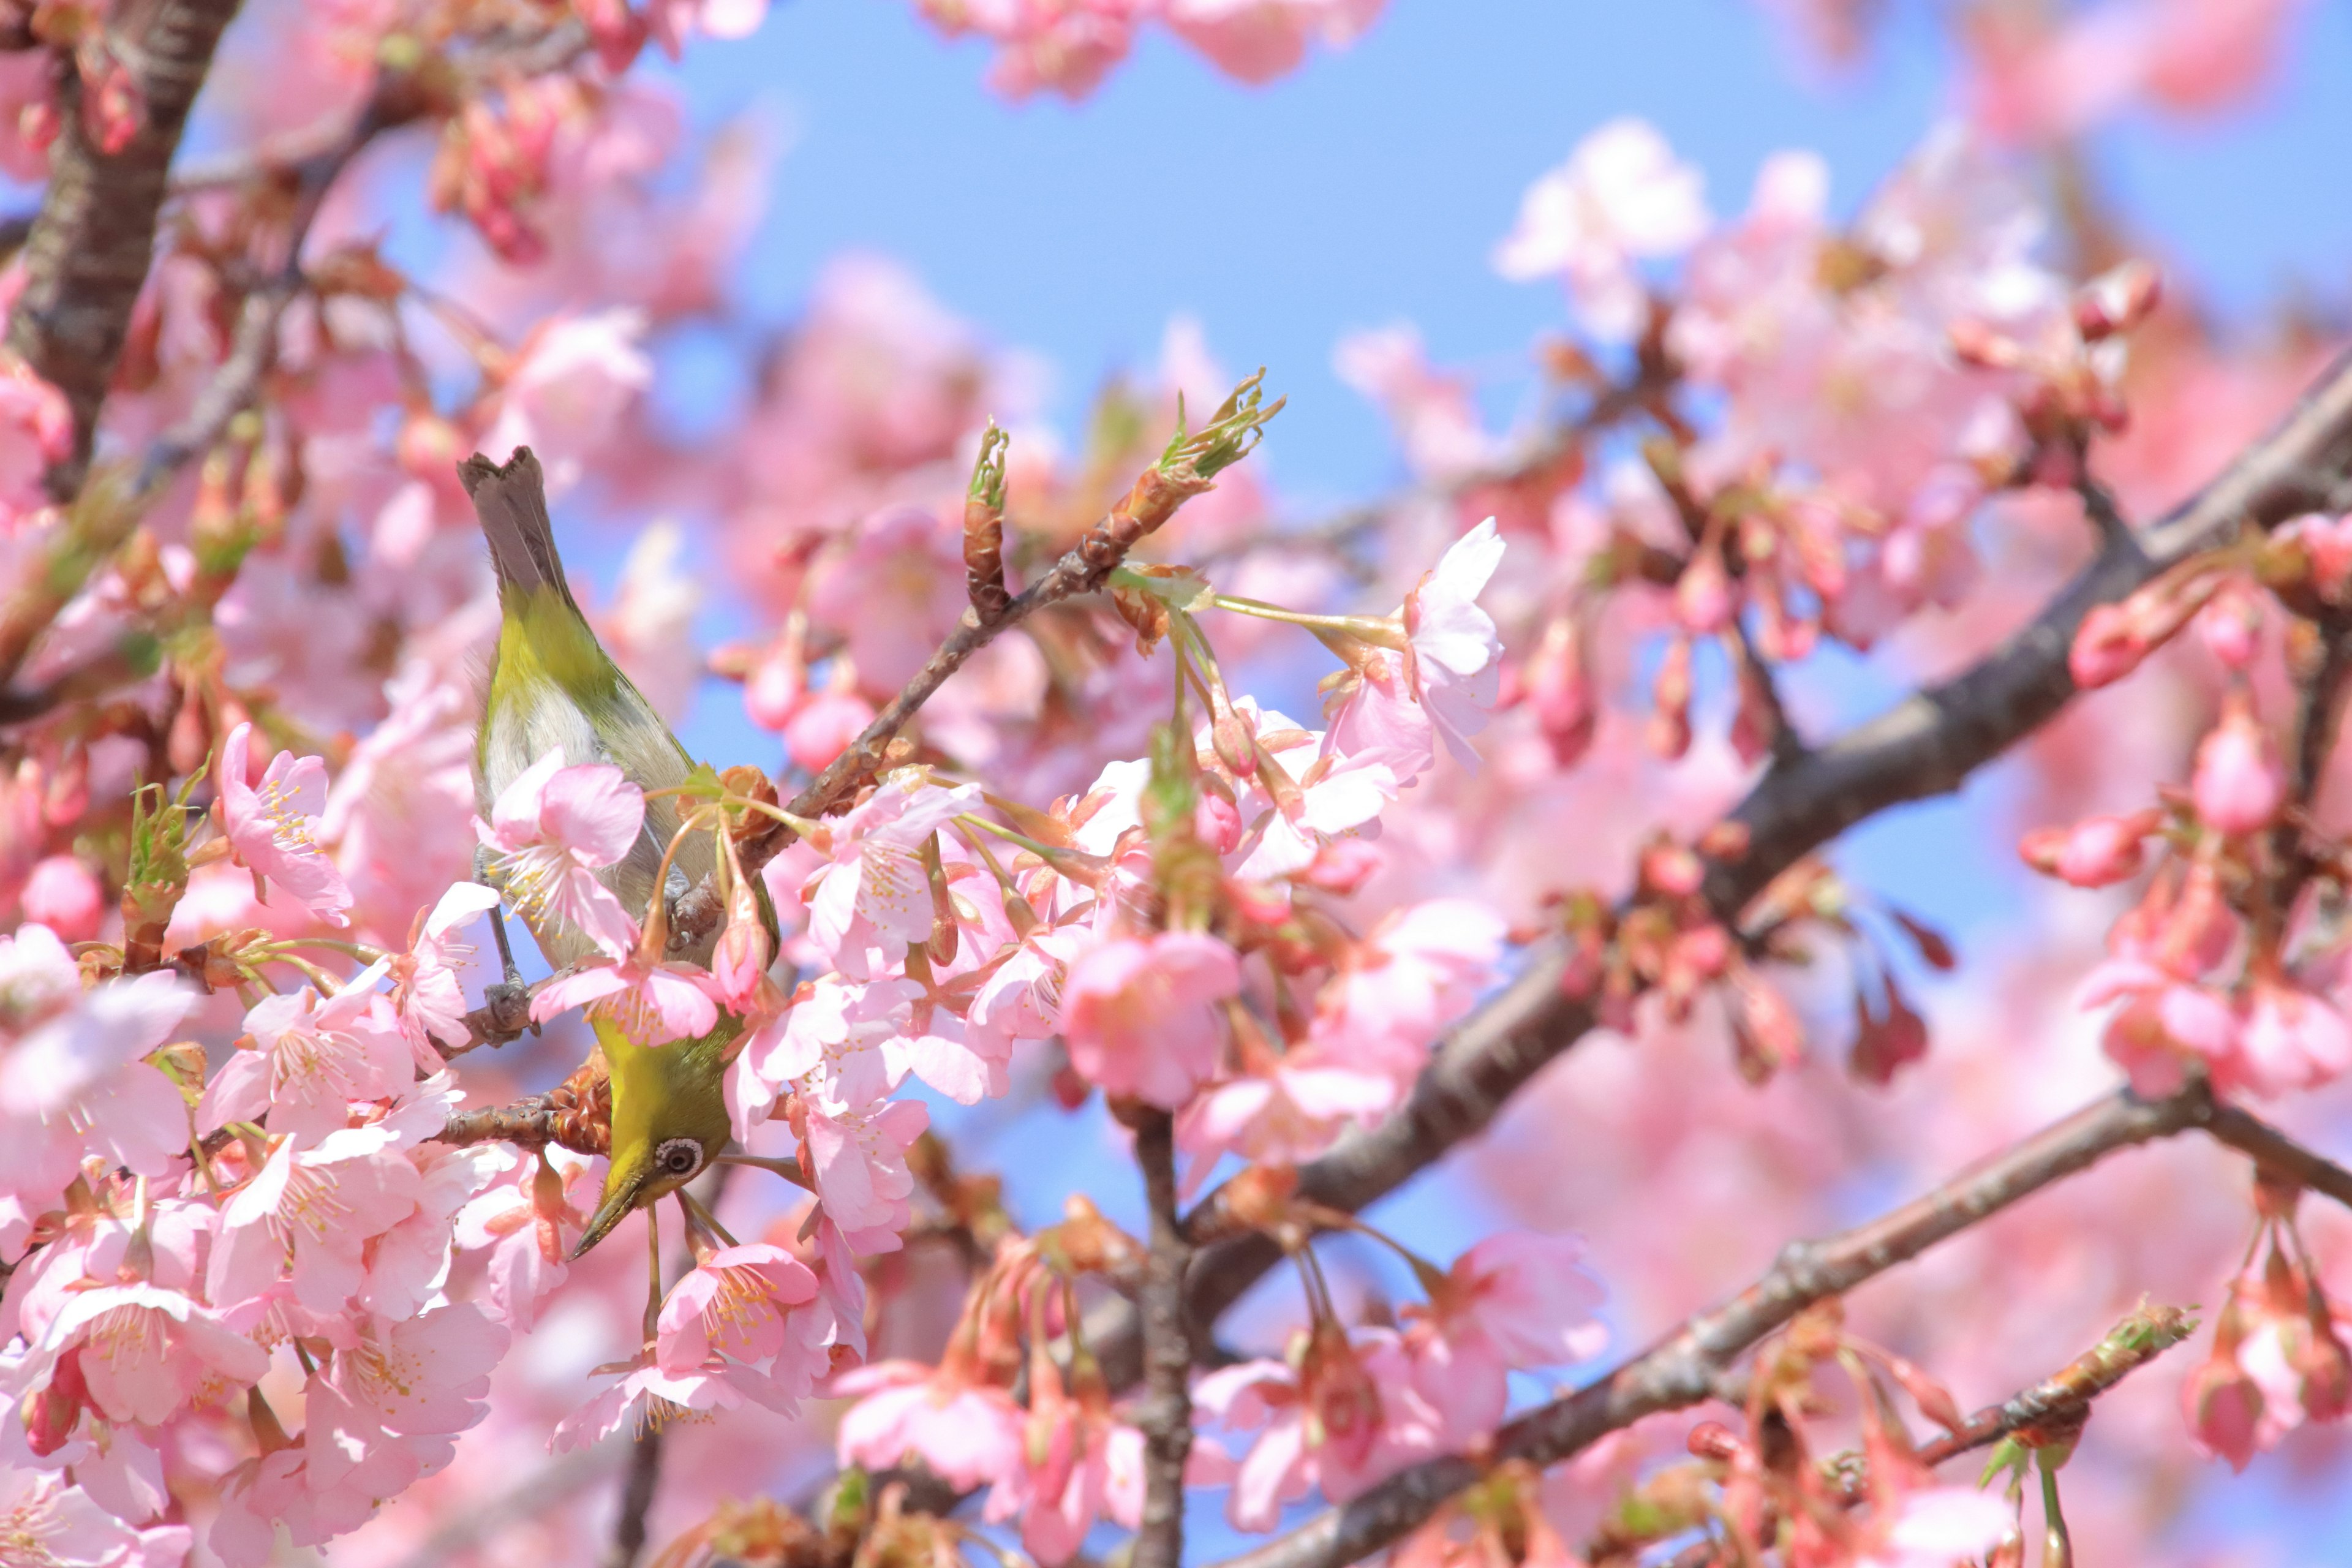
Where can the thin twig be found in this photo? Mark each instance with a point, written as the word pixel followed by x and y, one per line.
pixel 638 1485
pixel 2059 1402
pixel 1166 1416
pixel 1163 488
pixel 1685 1366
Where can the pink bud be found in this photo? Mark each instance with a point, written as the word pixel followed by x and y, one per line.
pixel 2094 853
pixel 2230 624
pixel 2224 1406
pixel 2109 647
pixel 1703 593
pixel 2328 542
pixel 1560 690
pixel 2239 784
pixel 825 727
pixel 2117 300
pixel 1672 869
pixel 776 688
pixel 1218 822
pixel 740 962
pixel 62 895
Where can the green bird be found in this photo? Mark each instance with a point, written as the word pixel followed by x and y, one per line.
pixel 553 686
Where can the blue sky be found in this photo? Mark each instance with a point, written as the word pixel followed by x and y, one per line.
pixel 1371 186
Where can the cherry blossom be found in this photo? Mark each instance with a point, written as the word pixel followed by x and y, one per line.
pixel 1455 660
pixel 968 1433
pixel 1622 197
pixel 272 826
pixel 310 1058
pixel 753 1304
pixel 651 1003
pixel 1139 1015
pixel 551 831
pixel 872 901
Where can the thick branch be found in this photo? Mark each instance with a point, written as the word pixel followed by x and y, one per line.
pixel 92 531
pixel 1166 1416
pixel 1927 745
pixel 1683 1368
pixel 88 256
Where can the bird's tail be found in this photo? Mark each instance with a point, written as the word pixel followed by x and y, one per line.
pixel 510 499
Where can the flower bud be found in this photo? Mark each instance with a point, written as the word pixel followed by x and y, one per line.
pixel 2094 853
pixel 2239 784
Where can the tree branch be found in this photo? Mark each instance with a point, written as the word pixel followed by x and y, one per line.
pixel 1683 1368
pixel 1166 1416
pixel 92 531
pixel 88 252
pixel 1927 745
pixel 638 1485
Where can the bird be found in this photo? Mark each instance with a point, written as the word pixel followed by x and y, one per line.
pixel 552 685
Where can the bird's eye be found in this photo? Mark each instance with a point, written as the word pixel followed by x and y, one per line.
pixel 678 1157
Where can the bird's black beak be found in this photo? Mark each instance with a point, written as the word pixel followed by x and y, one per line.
pixel 620 1198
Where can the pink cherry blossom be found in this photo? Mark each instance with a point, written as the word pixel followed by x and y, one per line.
pixel 529 1219
pixel 426 1375
pixel 860 1157
pixel 145 1352
pixel 2291 1040
pixel 873 900
pixel 428 993
pixel 894 594
pixel 1286 1115
pixel 1455 662
pixel 310 1059
pixel 75 1078
pixel 652 1002
pixel 831 1043
pixel 643 1394
pixel 970 1433
pixel 47 1523
pixel 1622 197
pixel 823 727
pixel 754 1304
pixel 571 383
pixel 1374 713
pixel 1417 971
pixel 307 1214
pixel 62 895
pixel 1342 1415
pixel 1139 1015
pixel 273 827
pixel 551 831
pixel 1257 40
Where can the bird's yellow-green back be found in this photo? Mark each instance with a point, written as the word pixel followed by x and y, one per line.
pixel 553 686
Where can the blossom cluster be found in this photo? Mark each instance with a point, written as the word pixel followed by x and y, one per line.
pixel 278 1249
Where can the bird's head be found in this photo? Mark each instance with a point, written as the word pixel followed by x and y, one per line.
pixel 669 1120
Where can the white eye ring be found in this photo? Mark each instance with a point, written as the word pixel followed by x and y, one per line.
pixel 678 1157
